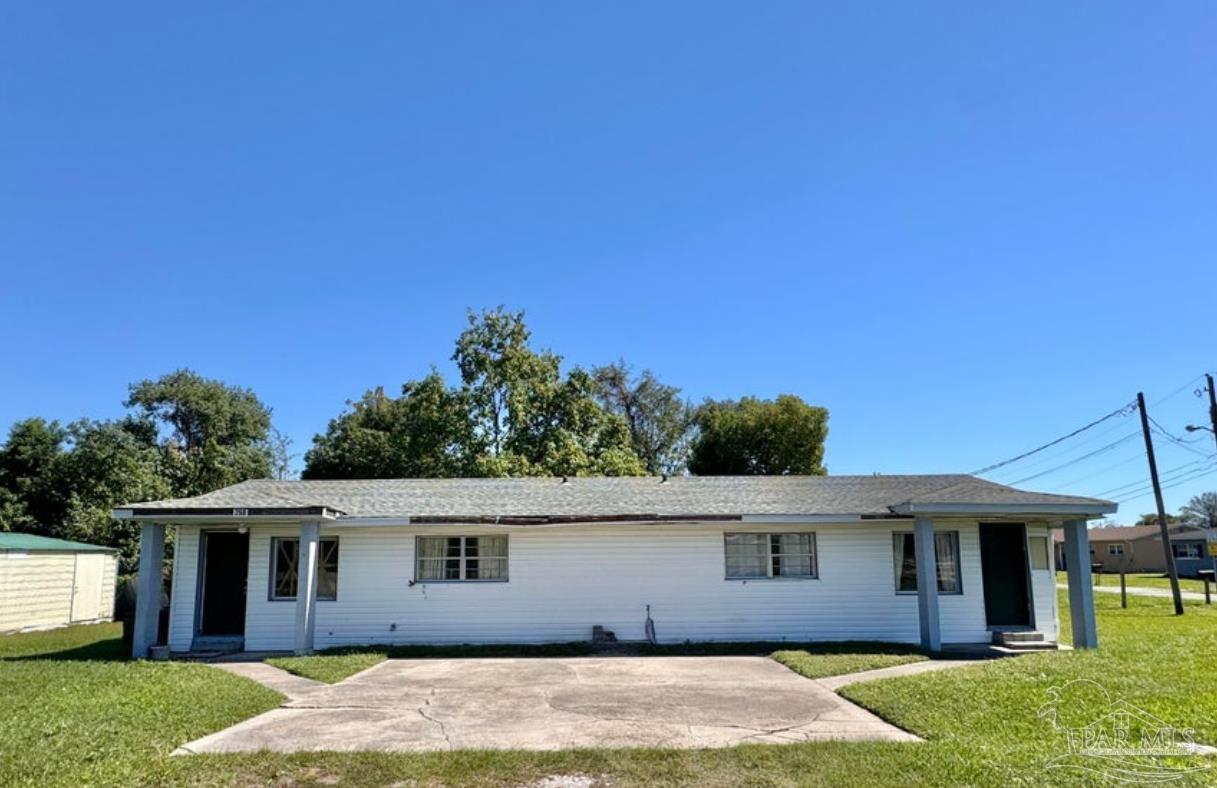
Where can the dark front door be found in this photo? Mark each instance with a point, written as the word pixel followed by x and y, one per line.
pixel 225 565
pixel 1003 563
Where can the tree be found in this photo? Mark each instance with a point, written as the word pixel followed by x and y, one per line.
pixel 528 419
pixel 217 434
pixel 513 414
pixel 756 437
pixel 28 499
pixel 424 433
pixel 1152 519
pixel 660 422
pixel 106 464
pixel 280 454
pixel 1200 511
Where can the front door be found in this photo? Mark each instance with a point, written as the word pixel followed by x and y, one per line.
pixel 1003 563
pixel 225 565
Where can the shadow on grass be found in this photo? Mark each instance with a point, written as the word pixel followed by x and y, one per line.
pixel 61 646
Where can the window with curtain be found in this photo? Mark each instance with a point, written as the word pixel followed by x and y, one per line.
pixel 770 555
pixel 460 558
pixel 946 554
pixel 284 560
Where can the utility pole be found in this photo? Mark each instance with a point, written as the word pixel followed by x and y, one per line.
pixel 1166 534
pixel 1212 405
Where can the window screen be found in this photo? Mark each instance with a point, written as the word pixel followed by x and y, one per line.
pixel 461 558
pixel 285 557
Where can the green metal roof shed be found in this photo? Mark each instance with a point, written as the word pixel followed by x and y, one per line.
pixel 45 544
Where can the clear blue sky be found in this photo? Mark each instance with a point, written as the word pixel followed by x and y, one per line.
pixel 965 228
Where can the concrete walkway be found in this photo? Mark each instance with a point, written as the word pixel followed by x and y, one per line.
pixel 289 684
pixel 553 704
pixel 835 683
pixel 1139 591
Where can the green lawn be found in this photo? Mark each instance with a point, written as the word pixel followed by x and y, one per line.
pixel 1145 580
pixel 101 722
pixel 814 660
pixel 74 712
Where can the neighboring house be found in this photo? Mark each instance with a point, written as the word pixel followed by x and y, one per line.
pixel 283 565
pixel 1138 548
pixel 51 582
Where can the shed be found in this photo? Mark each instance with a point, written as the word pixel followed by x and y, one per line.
pixel 48 582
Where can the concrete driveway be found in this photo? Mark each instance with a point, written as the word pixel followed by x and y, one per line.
pixel 550 704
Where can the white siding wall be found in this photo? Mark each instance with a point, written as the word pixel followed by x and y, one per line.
pixel 565 580
pixel 1043 588
pixel 36 590
pixel 183 586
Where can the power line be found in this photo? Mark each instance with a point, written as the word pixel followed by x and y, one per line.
pixel 1199 473
pixel 1123 410
pixel 1145 481
pixel 1178 391
pixel 1174 481
pixel 1072 462
pixel 1136 457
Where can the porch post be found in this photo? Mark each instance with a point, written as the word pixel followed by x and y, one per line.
pixel 306 586
pixel 148 588
pixel 1081 595
pixel 927 584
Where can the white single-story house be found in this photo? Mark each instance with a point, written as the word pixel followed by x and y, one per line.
pixel 48 582
pixel 300 565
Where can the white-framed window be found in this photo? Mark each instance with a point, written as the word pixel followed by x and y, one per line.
pixel 284 560
pixel 946 556
pixel 455 559
pixel 1186 549
pixel 1115 549
pixel 755 556
pixel 1038 549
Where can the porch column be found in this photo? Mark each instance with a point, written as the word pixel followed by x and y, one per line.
pixel 1081 595
pixel 148 588
pixel 927 584
pixel 306 586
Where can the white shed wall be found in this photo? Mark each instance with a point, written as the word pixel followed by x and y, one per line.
pixel 36 590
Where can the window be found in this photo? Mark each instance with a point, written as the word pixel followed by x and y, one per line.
pixel 1115 549
pixel 1186 549
pixel 770 555
pixel 946 555
pixel 1039 552
pixel 285 557
pixel 460 558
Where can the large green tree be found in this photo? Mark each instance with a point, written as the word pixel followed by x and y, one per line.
pixel 659 420
pixel 184 435
pixel 426 432
pixel 513 414
pixel 1200 511
pixel 214 434
pixel 756 437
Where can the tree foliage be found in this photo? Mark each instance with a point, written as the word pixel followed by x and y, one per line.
pixel 756 437
pixel 184 435
pixel 659 420
pixel 215 434
pixel 1200 511
pixel 513 414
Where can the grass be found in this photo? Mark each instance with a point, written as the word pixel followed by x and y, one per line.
pixel 814 660
pixel 1145 580
pixel 73 711
pixel 981 723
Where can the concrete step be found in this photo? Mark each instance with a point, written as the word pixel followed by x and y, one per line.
pixel 1018 638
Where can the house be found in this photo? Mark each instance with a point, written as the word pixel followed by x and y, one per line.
pixel 299 565
pixel 1138 548
pixel 52 582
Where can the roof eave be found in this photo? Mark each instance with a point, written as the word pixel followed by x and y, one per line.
pixel 186 514
pixel 1086 510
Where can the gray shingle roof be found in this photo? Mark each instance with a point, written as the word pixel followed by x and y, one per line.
pixel 615 497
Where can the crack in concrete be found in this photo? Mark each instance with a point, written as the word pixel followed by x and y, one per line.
pixel 442 728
